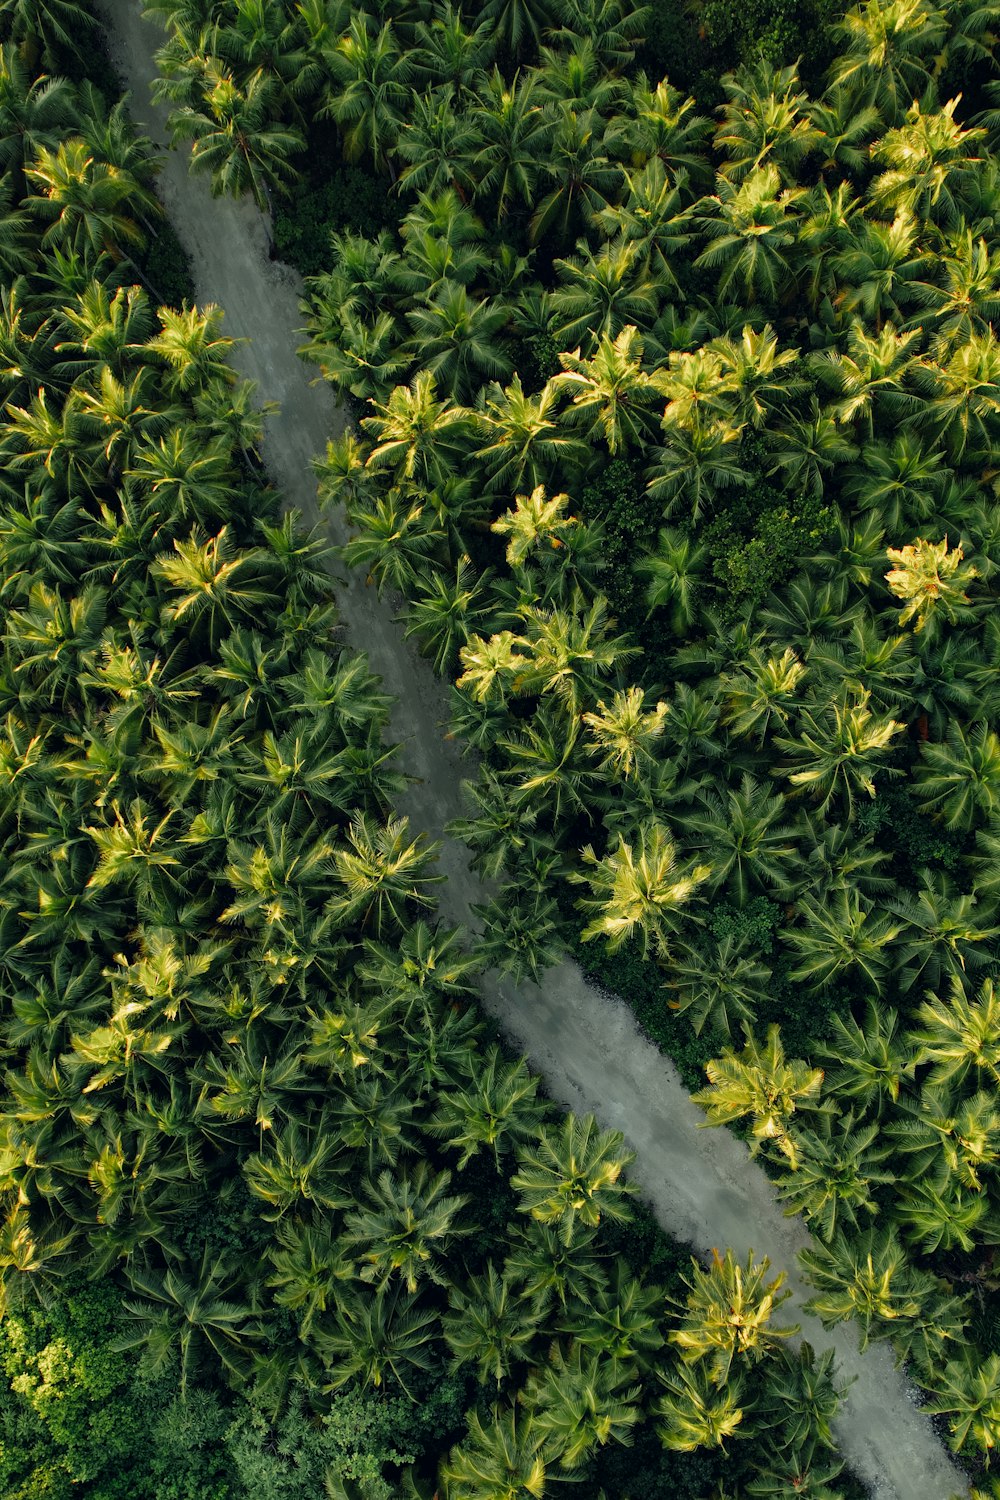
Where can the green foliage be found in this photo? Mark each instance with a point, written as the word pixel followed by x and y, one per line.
pixel 347 197
pixel 758 541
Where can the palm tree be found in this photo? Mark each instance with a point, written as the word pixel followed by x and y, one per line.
pixel 839 750
pixel 931 581
pixel 694 464
pixel 611 395
pixel 370 89
pixel 574 1178
pixel 842 935
pixel 487 1326
pixel 802 1396
pixel 744 840
pixel 381 872
pixel 638 890
pixel 583 179
pixel 235 136
pixel 448 52
pixel 666 128
pixel 308 1263
pixel 761 692
pixel 676 574
pixel 177 1314
pixel 46 26
pixel 212 584
pixel 501 1459
pixel 881 265
pixel 416 434
pixel 765 119
pixel 949 1139
pixel 867 1278
pixel 938 934
pixel 869 1063
pixel 836 1171
pixel 193 347
pixel 717 983
pixel 625 734
pixel 33 111
pixel 696 1412
pixel 524 438
pixel 403 1226
pixel 497 1108
pixel 570 652
pixel 939 1218
pixel 727 1314
pixel 437 144
pixel 652 216
pixel 761 1082
pixel 751 228
pixel 513 131
pixel 886 45
pixel 956 1034
pixel 929 164
pixel 371 1338
pixel 91 207
pixel 959 780
pixel 458 340
pixel 581 1402
pixel 397 541
pixel 599 295
pixel 967 1392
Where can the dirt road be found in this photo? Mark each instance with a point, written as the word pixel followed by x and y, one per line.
pixel 702 1185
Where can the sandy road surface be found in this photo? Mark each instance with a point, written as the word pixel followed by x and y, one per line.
pixel 701 1183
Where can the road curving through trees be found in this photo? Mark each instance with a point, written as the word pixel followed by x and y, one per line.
pixel 702 1185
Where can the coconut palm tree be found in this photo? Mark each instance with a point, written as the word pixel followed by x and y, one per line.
pixel 235 137
pixel 959 780
pixel 929 164
pixel 418 435
pixel 839 751
pixel 867 1064
pixel 403 1226
pixel 958 1033
pixel 501 1457
pixel 380 1340
pixel 369 90
pixel 458 339
pixel 843 935
pixel 727 1314
pixel 574 1178
pixel 601 294
pixel 382 871
pixel 176 1314
pixel 751 228
pixel 489 1327
pixel 761 1082
pixel 931 581
pixel 496 1109
pixel 744 840
pixel 765 119
pixel 717 983
pixel 887 49
pixel 580 1402
pixel 835 1174
pixel 967 1392
pixel 513 131
pixel 525 440
pixel 696 1412
pixel 638 890
pixel 611 396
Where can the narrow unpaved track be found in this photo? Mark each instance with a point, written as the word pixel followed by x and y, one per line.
pixel 702 1184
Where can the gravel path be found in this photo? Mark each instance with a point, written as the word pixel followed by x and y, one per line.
pixel 702 1185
